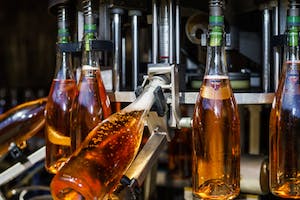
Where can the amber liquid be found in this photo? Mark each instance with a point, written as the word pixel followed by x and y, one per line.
pixel 284 135
pixel 91 107
pixel 98 165
pixel 216 141
pixel 57 130
pixel 21 123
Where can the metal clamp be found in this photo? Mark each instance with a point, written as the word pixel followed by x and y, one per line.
pixel 147 157
pixel 170 71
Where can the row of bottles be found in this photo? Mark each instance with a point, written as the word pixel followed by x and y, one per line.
pixel 89 154
pixel 74 109
pixel 216 127
pixel 96 167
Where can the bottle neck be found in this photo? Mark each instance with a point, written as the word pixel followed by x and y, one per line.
pixel 89 56
pixel 293 38
pixel 63 35
pixel 63 59
pixel 146 99
pixel 216 62
pixel 64 66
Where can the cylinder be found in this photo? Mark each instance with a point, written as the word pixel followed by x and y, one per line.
pixel 171 33
pixel 276 55
pixel 266 50
pixel 164 32
pixel 154 32
pixel 177 32
pixel 254 174
pixel 135 45
pixel 116 30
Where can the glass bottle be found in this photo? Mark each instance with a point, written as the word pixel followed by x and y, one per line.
pixel 92 105
pixel 60 100
pixel 216 124
pixel 20 123
pixel 97 166
pixel 285 121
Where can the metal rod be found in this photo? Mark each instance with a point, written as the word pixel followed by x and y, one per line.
pixel 266 50
pixel 135 45
pixel 177 32
pixel 104 22
pixel 116 30
pixel 164 32
pixel 104 28
pixel 276 50
pixel 123 80
pixel 154 32
pixel 171 33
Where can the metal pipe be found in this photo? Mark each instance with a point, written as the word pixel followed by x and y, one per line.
pixel 116 32
pixel 154 32
pixel 135 45
pixel 104 22
pixel 177 32
pixel 171 33
pixel 164 31
pixel 276 50
pixel 104 28
pixel 266 50
pixel 123 80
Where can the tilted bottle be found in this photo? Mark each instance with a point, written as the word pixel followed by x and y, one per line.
pixel 97 166
pixel 20 123
pixel 60 100
pixel 284 153
pixel 92 105
pixel 216 124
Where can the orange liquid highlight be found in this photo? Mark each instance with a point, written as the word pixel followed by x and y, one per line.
pixel 96 168
pixel 284 135
pixel 91 107
pixel 57 129
pixel 216 141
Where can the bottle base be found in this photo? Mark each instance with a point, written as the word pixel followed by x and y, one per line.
pixel 67 194
pixel 290 189
pixel 54 168
pixel 215 189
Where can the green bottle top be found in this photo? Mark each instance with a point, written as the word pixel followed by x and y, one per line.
pixel 293 23
pixel 89 34
pixel 63 35
pixel 216 33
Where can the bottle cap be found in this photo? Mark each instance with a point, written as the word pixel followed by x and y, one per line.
pixel 216 20
pixel 293 20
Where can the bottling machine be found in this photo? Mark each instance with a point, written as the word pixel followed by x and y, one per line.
pixel 141 39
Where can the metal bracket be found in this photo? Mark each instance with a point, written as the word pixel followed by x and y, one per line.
pixel 144 161
pixel 147 157
pixel 170 71
pixel 18 168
